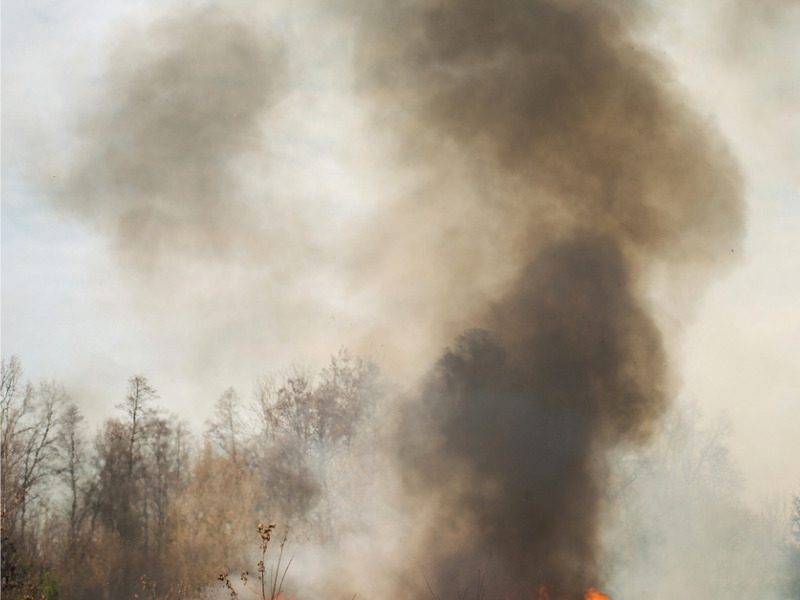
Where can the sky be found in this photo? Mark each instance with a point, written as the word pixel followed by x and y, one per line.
pixel 72 314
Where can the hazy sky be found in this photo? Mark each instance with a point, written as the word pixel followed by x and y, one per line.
pixel 70 314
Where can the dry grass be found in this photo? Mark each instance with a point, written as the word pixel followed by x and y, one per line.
pixel 270 584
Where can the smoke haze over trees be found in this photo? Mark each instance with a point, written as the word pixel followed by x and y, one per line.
pixel 148 499
pixel 145 506
pixel 512 208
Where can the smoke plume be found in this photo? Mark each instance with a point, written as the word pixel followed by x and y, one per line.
pixel 190 159
pixel 184 99
pixel 588 179
pixel 555 177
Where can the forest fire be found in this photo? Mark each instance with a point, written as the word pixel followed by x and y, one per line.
pixel 591 594
pixel 522 202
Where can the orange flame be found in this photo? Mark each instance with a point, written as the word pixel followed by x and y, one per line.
pixel 595 594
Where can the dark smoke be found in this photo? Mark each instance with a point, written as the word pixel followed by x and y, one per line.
pixel 560 175
pixel 597 179
pixel 514 420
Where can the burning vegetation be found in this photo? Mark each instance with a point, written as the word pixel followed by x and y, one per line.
pixel 571 179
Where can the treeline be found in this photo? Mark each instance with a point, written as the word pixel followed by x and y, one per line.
pixel 144 506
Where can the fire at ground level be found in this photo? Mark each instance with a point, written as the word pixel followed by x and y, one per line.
pixel 591 594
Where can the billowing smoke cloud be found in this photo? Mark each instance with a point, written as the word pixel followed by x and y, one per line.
pixel 550 174
pixel 589 179
pixel 193 160
pixel 184 98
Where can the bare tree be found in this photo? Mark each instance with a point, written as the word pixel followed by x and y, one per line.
pixel 226 427
pixel 137 407
pixel 29 418
pixel 307 425
pixel 166 453
pixel 28 421
pixel 72 447
pixel 124 487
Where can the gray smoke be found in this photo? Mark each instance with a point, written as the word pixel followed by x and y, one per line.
pixel 189 158
pixel 183 99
